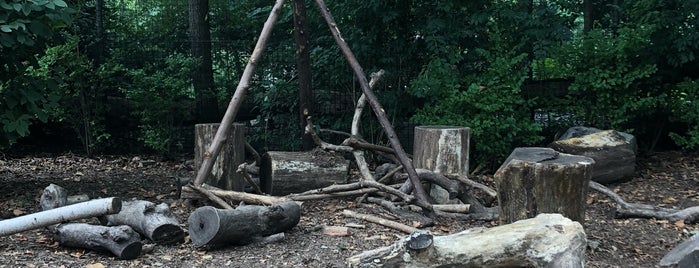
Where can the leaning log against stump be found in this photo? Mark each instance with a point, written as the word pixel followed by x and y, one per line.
pixel 121 241
pixel 212 227
pixel 88 209
pixel 56 196
pixel 156 222
pixel 540 180
pixel 549 240
pixel 293 172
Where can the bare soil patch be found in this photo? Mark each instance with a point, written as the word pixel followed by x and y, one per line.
pixel 669 179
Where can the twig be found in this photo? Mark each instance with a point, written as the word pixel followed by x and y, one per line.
pixel 238 196
pixel 383 179
pixel 243 169
pixel 409 215
pixel 475 184
pixel 370 218
pixel 253 152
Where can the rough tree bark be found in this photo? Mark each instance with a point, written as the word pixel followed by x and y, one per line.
pixel 121 241
pixel 293 172
pixel 203 75
pixel 443 150
pixel 156 222
pixel 237 99
pixel 541 180
pixel 212 227
pixel 303 66
pixel 223 173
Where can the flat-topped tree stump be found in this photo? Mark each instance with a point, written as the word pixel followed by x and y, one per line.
pixel 122 241
pixel 55 196
pixel 223 173
pixel 212 227
pixel 443 150
pixel 155 222
pixel 294 172
pixel 540 180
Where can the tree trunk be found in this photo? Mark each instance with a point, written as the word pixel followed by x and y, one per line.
pixel 156 222
pixel 587 15
pixel 122 241
pixel 443 150
pixel 303 66
pixel 541 180
pixel 294 172
pixel 223 173
pixel 203 76
pixel 218 227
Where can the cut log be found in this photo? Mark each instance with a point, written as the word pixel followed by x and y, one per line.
pixel 614 153
pixel 55 196
pixel 223 173
pixel 685 254
pixel 549 240
pixel 212 227
pixel 292 172
pixel 443 150
pixel 122 241
pixel 88 209
pixel 155 222
pixel 540 180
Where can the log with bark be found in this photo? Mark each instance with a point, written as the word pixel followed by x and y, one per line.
pixel 292 172
pixel 540 180
pixel 212 227
pixel 155 222
pixel 122 241
pixel 223 173
pixel 549 240
pixel 88 209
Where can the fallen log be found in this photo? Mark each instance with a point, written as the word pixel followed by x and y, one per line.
pixel 122 241
pixel 155 222
pixel 88 209
pixel 55 196
pixel 635 210
pixel 549 240
pixel 212 227
pixel 292 172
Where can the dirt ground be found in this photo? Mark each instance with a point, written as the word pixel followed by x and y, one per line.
pixel 667 179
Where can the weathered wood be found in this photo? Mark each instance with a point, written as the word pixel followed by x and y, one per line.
pixel 224 173
pixel 291 172
pixel 238 96
pixel 549 240
pixel 88 209
pixel 248 198
pixel 371 218
pixel 540 180
pixel 122 241
pixel 212 227
pixel 442 149
pixel 55 196
pixel 686 254
pixel 156 222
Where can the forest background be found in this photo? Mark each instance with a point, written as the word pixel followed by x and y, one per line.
pixel 130 76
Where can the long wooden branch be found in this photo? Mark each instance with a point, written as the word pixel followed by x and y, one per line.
pixel 380 113
pixel 628 210
pixel 359 154
pixel 235 103
pixel 370 218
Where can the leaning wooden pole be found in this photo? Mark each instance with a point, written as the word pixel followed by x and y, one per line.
pixel 233 107
pixel 373 101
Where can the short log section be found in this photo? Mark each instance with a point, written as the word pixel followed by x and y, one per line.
pixel 212 227
pixel 122 241
pixel 540 180
pixel 283 173
pixel 443 150
pixel 155 222
pixel 223 174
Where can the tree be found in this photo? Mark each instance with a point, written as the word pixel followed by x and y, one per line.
pixel 303 68
pixel 203 76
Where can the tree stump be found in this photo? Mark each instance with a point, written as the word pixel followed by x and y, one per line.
pixel 443 150
pixel 122 241
pixel 55 196
pixel 218 227
pixel 541 180
pixel 223 174
pixel 293 172
pixel 156 222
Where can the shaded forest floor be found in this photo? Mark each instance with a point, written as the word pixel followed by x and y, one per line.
pixel 669 179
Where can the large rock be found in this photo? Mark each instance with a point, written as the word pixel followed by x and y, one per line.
pixel 548 240
pixel 614 152
pixel 683 255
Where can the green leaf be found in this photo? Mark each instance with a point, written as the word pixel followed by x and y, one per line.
pixel 60 3
pixel 5 28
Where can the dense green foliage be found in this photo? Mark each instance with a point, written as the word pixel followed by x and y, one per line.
pixel 468 63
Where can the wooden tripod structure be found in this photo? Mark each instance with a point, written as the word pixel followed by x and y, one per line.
pixel 235 103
